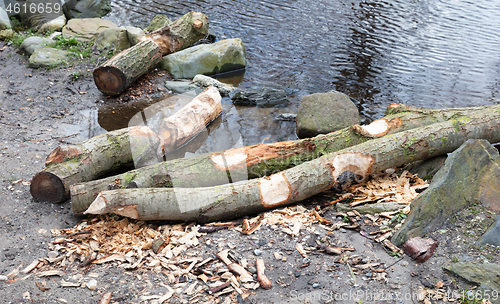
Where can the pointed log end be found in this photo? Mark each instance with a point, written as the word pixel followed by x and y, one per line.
pixel 47 187
pixel 98 206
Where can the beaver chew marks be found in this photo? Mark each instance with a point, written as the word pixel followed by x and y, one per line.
pixel 356 163
pixel 274 190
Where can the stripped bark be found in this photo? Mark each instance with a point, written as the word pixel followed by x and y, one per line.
pixel 116 74
pixel 93 159
pixel 256 161
pixel 300 182
pixel 186 123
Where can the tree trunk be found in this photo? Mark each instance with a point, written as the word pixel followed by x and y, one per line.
pixel 122 149
pixel 116 74
pixel 295 184
pixel 189 121
pixel 93 159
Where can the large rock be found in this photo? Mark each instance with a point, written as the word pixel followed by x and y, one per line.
pixel 37 17
pixel 486 275
pixel 183 86
pixel 265 97
pixel 114 38
pixel 86 29
pixel 86 8
pixel 158 22
pixel 134 34
pixel 471 174
pixel 492 236
pixel 48 57
pixel 30 44
pixel 207 59
pixel 4 20
pixel 323 113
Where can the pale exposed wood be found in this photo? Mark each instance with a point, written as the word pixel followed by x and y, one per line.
pixel 186 123
pixel 305 180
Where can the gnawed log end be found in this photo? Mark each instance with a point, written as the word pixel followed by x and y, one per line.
pixel 47 187
pixel 110 80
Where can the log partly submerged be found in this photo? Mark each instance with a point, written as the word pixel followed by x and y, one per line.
pixel 123 149
pixel 256 161
pixel 116 74
pixel 300 182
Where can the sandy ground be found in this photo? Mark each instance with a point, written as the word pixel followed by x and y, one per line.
pixel 40 110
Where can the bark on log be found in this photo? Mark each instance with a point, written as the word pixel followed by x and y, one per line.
pixel 256 161
pixel 127 148
pixel 116 74
pixel 298 183
pixel 93 159
pixel 186 123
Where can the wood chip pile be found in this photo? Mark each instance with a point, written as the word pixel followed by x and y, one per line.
pixel 174 249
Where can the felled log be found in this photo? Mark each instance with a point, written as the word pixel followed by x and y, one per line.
pixel 93 159
pixel 123 149
pixel 300 182
pixel 256 161
pixel 186 123
pixel 116 74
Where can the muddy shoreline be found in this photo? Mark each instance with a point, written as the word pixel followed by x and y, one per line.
pixel 42 109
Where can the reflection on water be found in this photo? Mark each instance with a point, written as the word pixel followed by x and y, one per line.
pixel 430 53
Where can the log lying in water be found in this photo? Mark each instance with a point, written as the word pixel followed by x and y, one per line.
pixel 92 159
pixel 186 123
pixel 116 74
pixel 292 185
pixel 122 149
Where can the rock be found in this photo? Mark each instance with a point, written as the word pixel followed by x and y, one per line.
pixel 182 86
pixel 4 20
pixel 86 8
pixel 323 113
pixel 266 97
pixel 372 208
pixel 207 59
pixel 53 254
pixel 158 22
pixel 258 252
pixel 420 249
pixel 492 236
pixel 114 38
pixel 286 117
pixel 206 81
pixel 30 44
pixel 92 284
pixel 471 174
pixel 426 169
pixel 86 29
pixel 6 34
pixel 485 275
pixel 53 25
pixel 47 57
pixel 134 34
pixel 3 278
pixel 41 20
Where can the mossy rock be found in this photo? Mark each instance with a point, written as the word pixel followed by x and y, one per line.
pixel 48 57
pixel 158 22
pixel 115 39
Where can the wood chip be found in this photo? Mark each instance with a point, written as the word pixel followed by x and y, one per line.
pixel 111 258
pixel 106 298
pixel 30 267
pixel 50 273
pixel 64 283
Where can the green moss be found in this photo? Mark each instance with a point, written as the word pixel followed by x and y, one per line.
pixel 129 177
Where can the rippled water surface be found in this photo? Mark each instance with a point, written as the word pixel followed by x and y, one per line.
pixel 429 53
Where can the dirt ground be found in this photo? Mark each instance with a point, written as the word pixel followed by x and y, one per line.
pixel 42 109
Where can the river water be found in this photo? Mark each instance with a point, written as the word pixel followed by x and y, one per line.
pixel 427 53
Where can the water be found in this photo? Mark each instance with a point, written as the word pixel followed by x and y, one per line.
pixel 428 53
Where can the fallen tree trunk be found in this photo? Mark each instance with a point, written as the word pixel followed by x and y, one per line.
pixel 93 159
pixel 256 161
pixel 189 121
pixel 122 149
pixel 116 74
pixel 300 182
